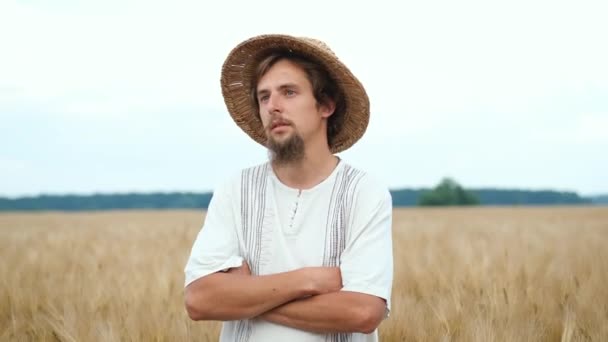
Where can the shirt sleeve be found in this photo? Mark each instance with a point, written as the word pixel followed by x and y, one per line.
pixel 367 260
pixel 216 247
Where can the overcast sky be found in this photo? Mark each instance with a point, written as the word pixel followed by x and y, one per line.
pixel 119 96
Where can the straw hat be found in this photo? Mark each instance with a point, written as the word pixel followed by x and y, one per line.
pixel 239 69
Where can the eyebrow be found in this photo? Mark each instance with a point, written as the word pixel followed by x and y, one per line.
pixel 281 87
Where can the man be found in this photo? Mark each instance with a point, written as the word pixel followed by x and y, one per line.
pixel 299 248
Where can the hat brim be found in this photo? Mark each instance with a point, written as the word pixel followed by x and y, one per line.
pixel 239 69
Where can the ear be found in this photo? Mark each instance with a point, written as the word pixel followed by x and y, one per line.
pixel 328 108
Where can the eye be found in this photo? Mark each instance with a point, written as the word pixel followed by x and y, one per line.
pixel 289 92
pixel 263 98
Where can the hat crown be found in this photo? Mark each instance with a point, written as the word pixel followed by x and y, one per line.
pixel 318 44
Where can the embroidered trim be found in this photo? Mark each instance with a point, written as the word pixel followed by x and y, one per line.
pixel 338 220
pixel 256 222
pixel 339 214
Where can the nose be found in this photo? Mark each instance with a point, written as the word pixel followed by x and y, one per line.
pixel 273 104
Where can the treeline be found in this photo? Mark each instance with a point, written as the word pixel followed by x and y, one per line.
pixel 401 198
pixel 107 202
pixel 411 197
pixel 449 193
pixel 601 199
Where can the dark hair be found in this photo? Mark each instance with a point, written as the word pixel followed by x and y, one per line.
pixel 324 87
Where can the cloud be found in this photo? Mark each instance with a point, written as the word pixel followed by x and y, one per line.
pixel 451 85
pixel 592 128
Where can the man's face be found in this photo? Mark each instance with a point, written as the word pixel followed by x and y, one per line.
pixel 288 108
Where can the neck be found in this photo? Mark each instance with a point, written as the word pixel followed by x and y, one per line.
pixel 318 163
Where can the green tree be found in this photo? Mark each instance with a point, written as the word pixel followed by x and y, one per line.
pixel 448 192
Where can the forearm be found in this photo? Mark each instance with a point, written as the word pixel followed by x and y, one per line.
pixel 331 313
pixel 225 296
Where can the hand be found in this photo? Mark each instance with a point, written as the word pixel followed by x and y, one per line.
pixel 324 279
pixel 242 270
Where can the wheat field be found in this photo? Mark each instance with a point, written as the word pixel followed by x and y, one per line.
pixel 461 274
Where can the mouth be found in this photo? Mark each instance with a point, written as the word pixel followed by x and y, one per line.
pixel 279 124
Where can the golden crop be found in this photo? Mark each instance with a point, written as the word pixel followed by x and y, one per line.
pixel 461 274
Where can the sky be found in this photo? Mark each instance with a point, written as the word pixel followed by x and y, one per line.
pixel 120 96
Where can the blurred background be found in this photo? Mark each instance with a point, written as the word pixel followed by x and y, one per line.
pixel 123 97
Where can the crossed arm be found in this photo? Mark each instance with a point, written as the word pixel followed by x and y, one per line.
pixel 308 299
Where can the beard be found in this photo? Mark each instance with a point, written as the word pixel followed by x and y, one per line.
pixel 288 151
